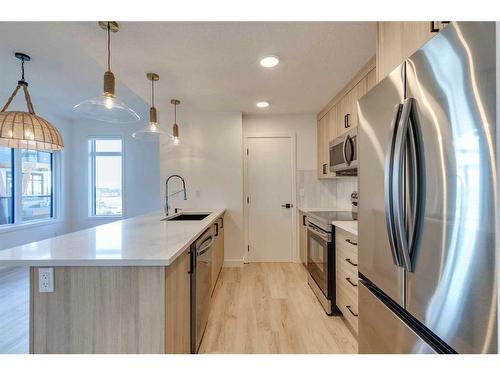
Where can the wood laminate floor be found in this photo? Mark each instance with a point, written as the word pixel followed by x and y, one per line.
pixel 14 310
pixel 269 308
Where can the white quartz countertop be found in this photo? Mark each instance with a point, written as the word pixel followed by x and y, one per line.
pixel 144 240
pixel 349 226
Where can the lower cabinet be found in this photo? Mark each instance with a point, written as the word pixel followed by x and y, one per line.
pixel 217 252
pixel 178 306
pixel 302 238
pixel 346 271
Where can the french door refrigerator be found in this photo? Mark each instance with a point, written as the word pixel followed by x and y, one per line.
pixel 427 181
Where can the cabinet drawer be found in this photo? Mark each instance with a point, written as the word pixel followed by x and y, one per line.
pixel 349 310
pixel 346 260
pixel 346 240
pixel 347 284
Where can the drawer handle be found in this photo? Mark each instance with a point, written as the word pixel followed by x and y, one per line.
pixel 349 308
pixel 348 260
pixel 350 282
pixel 351 242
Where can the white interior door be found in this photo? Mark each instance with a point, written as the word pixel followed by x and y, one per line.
pixel 270 185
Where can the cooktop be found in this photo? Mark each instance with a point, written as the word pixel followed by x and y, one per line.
pixel 329 216
pixel 323 219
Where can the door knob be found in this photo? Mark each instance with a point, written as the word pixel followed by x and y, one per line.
pixel 287 205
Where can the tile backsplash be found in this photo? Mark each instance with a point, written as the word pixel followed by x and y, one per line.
pixel 315 193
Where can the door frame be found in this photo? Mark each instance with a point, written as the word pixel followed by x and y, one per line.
pixel 295 258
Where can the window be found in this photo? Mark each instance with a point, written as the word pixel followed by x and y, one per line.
pixel 106 176
pixel 6 186
pixel 37 185
pixel 33 197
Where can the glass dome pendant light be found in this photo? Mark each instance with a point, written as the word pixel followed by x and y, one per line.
pixel 26 130
pixel 175 127
pixel 152 130
pixel 107 107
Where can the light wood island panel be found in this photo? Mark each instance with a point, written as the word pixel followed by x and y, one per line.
pixel 112 310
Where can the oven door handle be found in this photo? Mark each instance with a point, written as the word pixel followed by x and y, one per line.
pixel 319 233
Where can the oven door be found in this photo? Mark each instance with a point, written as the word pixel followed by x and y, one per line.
pixel 319 257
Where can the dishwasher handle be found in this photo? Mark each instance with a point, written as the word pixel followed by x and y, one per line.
pixel 204 247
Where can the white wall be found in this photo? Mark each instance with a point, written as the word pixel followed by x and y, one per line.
pixel 210 160
pixel 140 174
pixel 303 126
pixel 18 236
pixel 311 192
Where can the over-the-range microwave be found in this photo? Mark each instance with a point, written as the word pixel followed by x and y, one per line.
pixel 344 154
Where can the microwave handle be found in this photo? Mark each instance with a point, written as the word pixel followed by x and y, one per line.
pixel 344 153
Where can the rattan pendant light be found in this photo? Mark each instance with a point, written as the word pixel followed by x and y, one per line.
pixel 25 129
pixel 107 107
pixel 152 130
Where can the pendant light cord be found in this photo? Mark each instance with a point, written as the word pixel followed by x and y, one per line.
pixel 109 48
pixel 175 113
pixel 22 83
pixel 22 69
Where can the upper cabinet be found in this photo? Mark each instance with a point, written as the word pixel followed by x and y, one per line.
pixel 341 114
pixel 398 40
pixel 349 106
pixel 371 79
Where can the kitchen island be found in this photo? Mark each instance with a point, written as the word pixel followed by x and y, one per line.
pixel 122 287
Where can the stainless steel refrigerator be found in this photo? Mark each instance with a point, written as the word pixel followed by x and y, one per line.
pixel 427 206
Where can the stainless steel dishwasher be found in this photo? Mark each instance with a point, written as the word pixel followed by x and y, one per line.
pixel 201 279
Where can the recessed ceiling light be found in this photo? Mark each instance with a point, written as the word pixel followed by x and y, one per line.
pixel 269 61
pixel 262 104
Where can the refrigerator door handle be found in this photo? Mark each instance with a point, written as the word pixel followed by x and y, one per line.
pixel 407 209
pixel 388 187
pixel 416 195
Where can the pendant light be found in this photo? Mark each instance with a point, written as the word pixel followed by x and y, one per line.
pixel 152 130
pixel 175 127
pixel 25 129
pixel 107 107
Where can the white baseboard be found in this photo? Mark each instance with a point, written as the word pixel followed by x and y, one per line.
pixel 233 263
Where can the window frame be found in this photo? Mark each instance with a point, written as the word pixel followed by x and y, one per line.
pixel 92 154
pixel 17 174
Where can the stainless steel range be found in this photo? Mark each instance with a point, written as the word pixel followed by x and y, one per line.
pixel 321 254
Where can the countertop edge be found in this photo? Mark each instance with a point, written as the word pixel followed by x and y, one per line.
pixel 112 262
pixel 347 226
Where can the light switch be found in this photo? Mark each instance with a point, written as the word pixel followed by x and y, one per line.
pixel 46 280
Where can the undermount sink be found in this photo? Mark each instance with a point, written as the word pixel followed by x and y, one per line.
pixel 186 216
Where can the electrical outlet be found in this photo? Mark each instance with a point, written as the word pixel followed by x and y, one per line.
pixel 46 280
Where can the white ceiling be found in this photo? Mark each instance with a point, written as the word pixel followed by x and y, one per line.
pixel 207 65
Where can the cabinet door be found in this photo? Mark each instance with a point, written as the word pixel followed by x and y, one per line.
pixel 415 34
pixel 221 244
pixel 322 147
pixel 398 40
pixel 215 257
pixel 332 133
pixel 302 238
pixel 349 106
pixel 389 48
pixel 371 79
